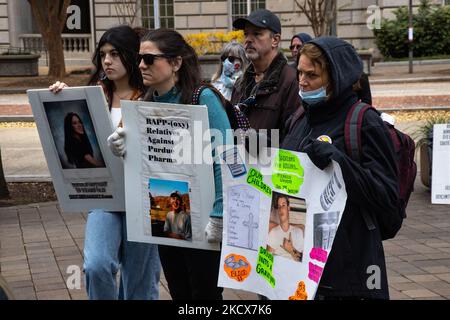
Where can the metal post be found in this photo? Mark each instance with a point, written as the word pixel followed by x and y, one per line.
pixel 410 36
pixel 92 25
pixel 230 16
pixel 249 7
pixel 156 14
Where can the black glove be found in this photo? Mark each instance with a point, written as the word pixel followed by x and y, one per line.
pixel 320 153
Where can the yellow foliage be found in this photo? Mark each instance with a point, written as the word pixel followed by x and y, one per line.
pixel 212 42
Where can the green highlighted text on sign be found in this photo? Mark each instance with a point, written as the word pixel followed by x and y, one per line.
pixel 265 265
pixel 287 172
pixel 255 179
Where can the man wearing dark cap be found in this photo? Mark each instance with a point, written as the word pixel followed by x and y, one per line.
pixel 297 43
pixel 267 92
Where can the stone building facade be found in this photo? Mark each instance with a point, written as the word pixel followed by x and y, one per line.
pixel 17 28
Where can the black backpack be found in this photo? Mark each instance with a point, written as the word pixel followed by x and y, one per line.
pixel 389 223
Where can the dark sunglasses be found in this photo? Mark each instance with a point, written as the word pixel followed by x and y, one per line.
pixel 149 58
pixel 297 46
pixel 231 59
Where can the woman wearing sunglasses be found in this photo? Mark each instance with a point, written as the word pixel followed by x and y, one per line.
pixel 233 63
pixel 170 67
pixel 106 248
pixel 297 43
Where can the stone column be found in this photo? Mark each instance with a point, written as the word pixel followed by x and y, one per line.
pixel 20 20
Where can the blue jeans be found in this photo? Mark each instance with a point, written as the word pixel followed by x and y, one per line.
pixel 106 249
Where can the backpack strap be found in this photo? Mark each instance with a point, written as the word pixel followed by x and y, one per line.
pixel 352 135
pixel 290 122
pixel 196 94
pixel 352 129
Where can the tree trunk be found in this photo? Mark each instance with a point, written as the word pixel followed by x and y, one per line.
pixel 50 16
pixel 4 192
pixel 57 66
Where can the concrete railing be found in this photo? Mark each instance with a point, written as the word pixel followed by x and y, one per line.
pixel 71 42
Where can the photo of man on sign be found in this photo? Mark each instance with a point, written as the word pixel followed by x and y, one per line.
pixel 286 239
pixel 170 209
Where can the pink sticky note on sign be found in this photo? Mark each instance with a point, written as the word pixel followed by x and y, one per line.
pixel 319 254
pixel 315 272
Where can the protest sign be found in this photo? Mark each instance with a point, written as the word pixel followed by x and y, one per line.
pixel 440 182
pixel 281 215
pixel 73 127
pixel 168 178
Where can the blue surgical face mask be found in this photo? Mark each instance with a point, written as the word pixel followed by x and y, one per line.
pixel 313 96
pixel 228 68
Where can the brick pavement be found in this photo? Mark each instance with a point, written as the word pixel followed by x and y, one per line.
pixel 38 244
pixel 437 94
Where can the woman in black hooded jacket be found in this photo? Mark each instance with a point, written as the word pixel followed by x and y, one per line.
pixel 327 71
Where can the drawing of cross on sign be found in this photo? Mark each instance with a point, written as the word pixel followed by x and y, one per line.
pixel 250 224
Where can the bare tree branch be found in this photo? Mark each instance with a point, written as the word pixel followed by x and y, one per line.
pixel 127 10
pixel 319 13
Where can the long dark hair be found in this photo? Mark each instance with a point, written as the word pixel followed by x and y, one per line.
pixel 126 41
pixel 69 138
pixel 172 43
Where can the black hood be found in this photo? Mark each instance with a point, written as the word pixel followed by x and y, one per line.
pixel 345 64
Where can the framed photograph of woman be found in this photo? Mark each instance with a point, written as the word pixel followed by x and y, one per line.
pixel 73 127
pixel 74 137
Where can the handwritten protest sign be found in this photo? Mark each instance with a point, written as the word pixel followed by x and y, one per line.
pixel 281 215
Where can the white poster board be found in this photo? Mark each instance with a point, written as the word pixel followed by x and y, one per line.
pixel 440 182
pixel 280 221
pixel 73 127
pixel 155 169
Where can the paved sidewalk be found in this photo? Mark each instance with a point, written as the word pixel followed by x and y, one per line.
pixel 38 244
pixel 392 87
pixel 41 254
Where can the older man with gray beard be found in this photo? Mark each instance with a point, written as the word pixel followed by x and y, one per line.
pixel 267 92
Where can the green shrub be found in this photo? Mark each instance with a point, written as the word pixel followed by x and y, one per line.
pixel 431 32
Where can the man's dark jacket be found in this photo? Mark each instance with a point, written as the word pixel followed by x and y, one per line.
pixel 276 96
pixel 356 265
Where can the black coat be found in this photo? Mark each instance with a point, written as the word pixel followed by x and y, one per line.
pixel 371 185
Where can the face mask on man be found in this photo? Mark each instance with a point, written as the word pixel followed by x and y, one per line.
pixel 313 96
